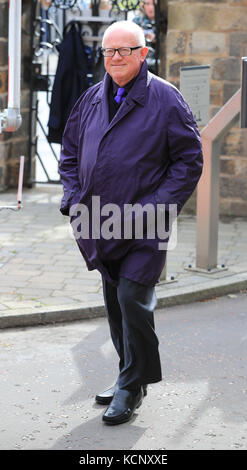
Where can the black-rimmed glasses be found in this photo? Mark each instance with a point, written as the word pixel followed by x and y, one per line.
pixel 123 51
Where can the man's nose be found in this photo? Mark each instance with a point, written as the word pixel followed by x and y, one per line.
pixel 117 55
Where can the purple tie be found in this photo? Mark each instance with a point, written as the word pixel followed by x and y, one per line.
pixel 119 97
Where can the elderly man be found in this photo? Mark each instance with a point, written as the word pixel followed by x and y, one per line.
pixel 130 139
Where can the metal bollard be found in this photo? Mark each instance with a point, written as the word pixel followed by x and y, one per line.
pixel 243 118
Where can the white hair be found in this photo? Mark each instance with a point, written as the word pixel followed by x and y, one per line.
pixel 129 26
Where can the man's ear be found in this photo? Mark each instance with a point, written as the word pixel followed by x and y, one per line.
pixel 144 52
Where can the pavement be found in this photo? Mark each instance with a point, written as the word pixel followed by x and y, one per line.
pixel 44 279
pixel 50 375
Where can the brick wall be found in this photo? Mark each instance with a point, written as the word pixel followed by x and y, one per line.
pixel 214 33
pixel 13 144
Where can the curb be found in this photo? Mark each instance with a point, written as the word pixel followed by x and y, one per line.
pixel 204 292
pixel 174 296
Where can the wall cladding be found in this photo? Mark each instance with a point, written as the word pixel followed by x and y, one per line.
pixel 214 33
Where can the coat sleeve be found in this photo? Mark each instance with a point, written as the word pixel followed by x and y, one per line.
pixel 68 165
pixel 185 154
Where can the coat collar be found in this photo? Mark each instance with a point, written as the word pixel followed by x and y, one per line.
pixel 137 92
pixel 136 95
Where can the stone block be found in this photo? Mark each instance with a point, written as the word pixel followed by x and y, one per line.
pixel 12 173
pixel 4 152
pixel 4 7
pixel 226 69
pixel 192 17
pixel 206 1
pixel 238 2
pixel 225 207
pixel 18 148
pixel 239 208
pixel 3 52
pixel 240 166
pixel 3 81
pixel 174 66
pixel 207 16
pixel 235 143
pixel 229 89
pixel 176 42
pixel 3 100
pixel 233 187
pixel 216 93
pixel 208 42
pixel 227 166
pixel 232 17
pixel 238 44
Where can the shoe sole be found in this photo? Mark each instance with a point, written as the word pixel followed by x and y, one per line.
pixel 103 401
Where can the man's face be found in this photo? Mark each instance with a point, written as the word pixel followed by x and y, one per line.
pixel 123 69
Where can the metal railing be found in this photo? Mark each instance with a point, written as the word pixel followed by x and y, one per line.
pixel 208 193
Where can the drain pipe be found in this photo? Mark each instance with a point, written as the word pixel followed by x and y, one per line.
pixel 10 118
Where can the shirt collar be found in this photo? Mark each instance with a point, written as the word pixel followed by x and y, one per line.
pixel 137 93
pixel 127 87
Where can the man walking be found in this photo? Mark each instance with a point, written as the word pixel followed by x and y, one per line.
pixel 130 139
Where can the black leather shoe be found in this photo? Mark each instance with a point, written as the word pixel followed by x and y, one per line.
pixel 105 398
pixel 123 406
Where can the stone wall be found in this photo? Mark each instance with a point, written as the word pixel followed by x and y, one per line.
pixel 214 33
pixel 13 144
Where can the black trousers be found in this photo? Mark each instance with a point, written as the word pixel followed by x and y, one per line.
pixel 130 308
